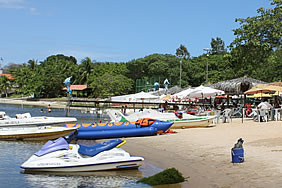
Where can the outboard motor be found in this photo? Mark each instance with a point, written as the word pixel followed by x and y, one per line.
pixel 237 152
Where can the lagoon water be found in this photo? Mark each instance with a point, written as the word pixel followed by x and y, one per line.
pixel 14 153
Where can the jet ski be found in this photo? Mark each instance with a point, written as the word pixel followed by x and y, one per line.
pixel 61 156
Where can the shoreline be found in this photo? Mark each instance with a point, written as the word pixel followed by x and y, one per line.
pixel 204 154
pixel 54 104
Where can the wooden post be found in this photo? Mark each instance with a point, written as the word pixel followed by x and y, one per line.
pixel 68 108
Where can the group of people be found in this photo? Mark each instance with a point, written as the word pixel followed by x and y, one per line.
pixel 48 109
pixel 264 109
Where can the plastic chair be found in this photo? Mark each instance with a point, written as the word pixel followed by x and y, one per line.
pixel 226 116
pixel 217 117
pixel 263 115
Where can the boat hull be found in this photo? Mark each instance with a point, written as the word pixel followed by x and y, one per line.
pixel 188 121
pixel 36 121
pixel 192 123
pixel 34 133
pixel 90 167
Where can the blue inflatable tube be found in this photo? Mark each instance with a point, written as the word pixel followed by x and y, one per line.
pixel 145 131
pixel 106 126
pixel 142 127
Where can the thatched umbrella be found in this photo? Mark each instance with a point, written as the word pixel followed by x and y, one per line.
pixel 237 86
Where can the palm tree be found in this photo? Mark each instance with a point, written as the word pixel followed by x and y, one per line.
pixel 4 84
pixel 85 69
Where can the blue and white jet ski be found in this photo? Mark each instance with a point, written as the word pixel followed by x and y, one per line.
pixel 60 156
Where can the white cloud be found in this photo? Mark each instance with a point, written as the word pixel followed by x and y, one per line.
pixel 33 11
pixel 13 4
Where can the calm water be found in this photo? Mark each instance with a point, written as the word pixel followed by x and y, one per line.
pixel 14 153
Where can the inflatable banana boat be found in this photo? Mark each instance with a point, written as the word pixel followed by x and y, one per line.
pixel 142 127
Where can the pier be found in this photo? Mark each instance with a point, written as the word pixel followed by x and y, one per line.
pixel 101 105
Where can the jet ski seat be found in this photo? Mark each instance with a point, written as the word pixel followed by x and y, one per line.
pixel 53 145
pixel 98 148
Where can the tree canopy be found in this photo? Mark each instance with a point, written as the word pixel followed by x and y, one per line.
pixel 255 52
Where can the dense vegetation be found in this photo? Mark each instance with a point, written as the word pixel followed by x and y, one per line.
pixel 256 52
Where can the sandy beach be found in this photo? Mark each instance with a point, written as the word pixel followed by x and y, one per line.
pixel 20 101
pixel 204 154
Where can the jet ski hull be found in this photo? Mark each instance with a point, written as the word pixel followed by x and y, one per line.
pixel 71 159
pixel 89 167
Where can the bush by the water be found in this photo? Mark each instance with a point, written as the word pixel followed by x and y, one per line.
pixel 168 176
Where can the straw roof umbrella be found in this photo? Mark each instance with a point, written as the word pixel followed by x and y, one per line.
pixel 238 85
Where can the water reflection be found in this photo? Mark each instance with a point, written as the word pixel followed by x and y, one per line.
pixel 87 180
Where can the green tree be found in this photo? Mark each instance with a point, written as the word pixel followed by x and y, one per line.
pixel 110 85
pixel 217 46
pixel 4 85
pixel 85 69
pixel 53 71
pixel 263 30
pixel 257 39
pixel 182 52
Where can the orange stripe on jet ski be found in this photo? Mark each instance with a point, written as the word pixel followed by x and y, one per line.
pixel 94 125
pixel 110 124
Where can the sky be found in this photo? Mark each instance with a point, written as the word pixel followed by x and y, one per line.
pixel 115 30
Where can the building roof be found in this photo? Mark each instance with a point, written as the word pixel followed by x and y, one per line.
pixel 76 87
pixel 9 76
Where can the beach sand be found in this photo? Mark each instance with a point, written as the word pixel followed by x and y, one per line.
pixel 204 154
pixel 53 104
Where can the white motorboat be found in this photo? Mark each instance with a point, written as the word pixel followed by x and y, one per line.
pixel 185 121
pixel 60 156
pixel 26 119
pixel 34 133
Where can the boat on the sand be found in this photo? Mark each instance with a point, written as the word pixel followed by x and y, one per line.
pixel 143 127
pixel 179 120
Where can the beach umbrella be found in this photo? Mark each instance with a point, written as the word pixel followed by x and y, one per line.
pixel 182 94
pixel 133 97
pixel 143 95
pixel 259 95
pixel 264 89
pixel 165 97
pixel 203 91
pixel 276 84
